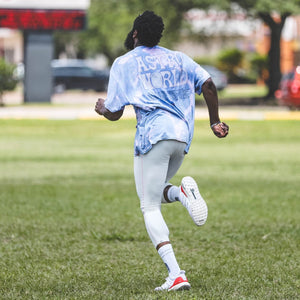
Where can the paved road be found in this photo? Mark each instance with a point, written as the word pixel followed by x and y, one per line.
pixel 80 105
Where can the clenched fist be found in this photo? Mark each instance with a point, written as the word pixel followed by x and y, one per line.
pixel 220 129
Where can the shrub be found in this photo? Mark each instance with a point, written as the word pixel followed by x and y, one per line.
pixel 7 80
pixel 259 66
pixel 230 61
pixel 206 60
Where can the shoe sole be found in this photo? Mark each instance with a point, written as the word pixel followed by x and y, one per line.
pixel 183 286
pixel 198 206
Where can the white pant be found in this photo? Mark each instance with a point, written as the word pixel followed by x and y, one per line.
pixel 152 172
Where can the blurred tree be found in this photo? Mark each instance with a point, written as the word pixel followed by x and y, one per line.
pixel 71 44
pixel 273 13
pixel 108 24
pixel 110 21
pixel 8 81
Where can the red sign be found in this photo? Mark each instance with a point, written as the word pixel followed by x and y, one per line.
pixel 28 19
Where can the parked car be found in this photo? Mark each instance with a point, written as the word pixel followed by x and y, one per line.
pixel 77 74
pixel 289 89
pixel 219 78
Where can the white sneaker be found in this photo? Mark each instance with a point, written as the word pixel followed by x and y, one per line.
pixel 193 201
pixel 179 284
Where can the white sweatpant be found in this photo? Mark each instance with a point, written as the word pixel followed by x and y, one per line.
pixel 152 172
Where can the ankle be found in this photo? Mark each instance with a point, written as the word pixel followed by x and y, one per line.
pixel 165 193
pixel 173 193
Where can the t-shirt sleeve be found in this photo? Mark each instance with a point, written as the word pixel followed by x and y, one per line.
pixel 116 97
pixel 201 76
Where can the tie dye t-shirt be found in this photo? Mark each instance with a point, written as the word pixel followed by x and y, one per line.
pixel 160 84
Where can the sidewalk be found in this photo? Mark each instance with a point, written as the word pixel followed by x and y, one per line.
pixel 80 105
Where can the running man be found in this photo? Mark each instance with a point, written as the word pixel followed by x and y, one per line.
pixel 160 84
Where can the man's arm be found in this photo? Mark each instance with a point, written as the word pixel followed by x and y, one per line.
pixel 210 94
pixel 103 111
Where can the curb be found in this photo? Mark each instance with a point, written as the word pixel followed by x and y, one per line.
pixel 87 112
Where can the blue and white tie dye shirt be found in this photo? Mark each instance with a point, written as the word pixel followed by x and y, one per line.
pixel 160 84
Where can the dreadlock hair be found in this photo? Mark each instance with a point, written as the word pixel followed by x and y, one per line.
pixel 149 28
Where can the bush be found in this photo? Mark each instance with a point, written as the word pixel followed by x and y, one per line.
pixel 239 66
pixel 259 66
pixel 230 61
pixel 206 60
pixel 7 80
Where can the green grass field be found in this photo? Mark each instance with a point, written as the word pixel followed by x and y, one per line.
pixel 243 91
pixel 71 227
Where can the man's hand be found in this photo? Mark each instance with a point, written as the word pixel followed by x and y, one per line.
pixel 100 107
pixel 103 111
pixel 220 129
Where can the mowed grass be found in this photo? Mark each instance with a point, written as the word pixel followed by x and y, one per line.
pixel 71 227
pixel 233 91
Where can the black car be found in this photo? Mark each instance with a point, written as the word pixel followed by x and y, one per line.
pixel 76 74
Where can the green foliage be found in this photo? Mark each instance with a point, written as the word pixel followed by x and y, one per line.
pixel 71 226
pixel 110 21
pixel 259 64
pixel 7 79
pixel 265 10
pixel 238 65
pixel 206 60
pixel 73 44
pixel 269 6
pixel 230 61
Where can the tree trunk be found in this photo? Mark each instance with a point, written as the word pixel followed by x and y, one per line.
pixel 274 52
pixel 274 61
